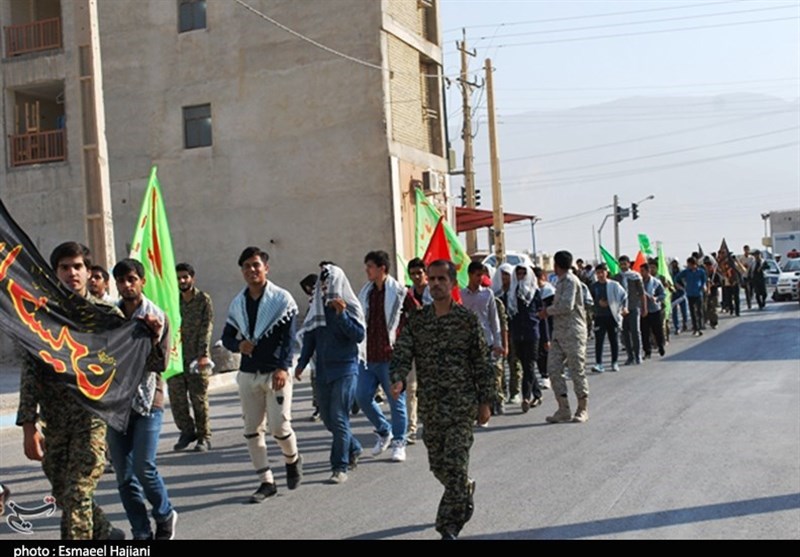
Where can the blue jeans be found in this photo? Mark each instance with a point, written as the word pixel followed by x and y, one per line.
pixel 335 400
pixel 369 377
pixel 683 306
pixel 133 454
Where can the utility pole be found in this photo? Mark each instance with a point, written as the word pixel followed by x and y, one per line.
pixel 616 227
pixel 466 135
pixel 494 161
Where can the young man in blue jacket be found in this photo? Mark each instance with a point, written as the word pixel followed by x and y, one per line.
pixel 334 329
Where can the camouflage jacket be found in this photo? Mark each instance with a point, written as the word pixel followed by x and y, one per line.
pixel 39 390
pixel 454 373
pixel 197 320
pixel 569 315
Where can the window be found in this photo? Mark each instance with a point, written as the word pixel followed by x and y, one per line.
pixel 191 15
pixel 197 126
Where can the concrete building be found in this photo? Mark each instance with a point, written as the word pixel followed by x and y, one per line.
pixel 260 138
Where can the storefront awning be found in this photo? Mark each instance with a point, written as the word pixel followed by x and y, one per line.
pixel 472 219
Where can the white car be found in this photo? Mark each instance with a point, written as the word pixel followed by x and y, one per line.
pixel 513 257
pixel 787 286
pixel 772 273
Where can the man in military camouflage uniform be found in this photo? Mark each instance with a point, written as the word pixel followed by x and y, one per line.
pixel 455 385
pixel 74 457
pixel 499 407
pixel 568 345
pixel 197 319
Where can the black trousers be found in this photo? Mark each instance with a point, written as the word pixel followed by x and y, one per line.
pixel 653 324
pixel 527 351
pixel 696 311
pixel 605 325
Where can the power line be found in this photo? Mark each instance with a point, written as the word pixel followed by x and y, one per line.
pixel 328 49
pixel 672 152
pixel 641 138
pixel 644 22
pixel 652 32
pixel 591 178
pixel 611 118
pixel 655 103
pixel 589 16
pixel 637 87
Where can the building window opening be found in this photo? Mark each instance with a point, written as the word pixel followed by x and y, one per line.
pixel 197 126
pixel 191 15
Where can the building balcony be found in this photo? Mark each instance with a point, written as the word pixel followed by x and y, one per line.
pixel 36 36
pixel 38 147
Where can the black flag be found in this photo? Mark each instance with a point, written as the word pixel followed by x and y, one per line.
pixel 100 356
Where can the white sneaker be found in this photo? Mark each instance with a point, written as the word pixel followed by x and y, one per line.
pixel 598 368
pixel 381 444
pixel 615 366
pixel 546 383
pixel 337 477
pixel 398 451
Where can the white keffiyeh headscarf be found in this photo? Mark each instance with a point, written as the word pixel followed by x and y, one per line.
pixel 337 286
pixel 497 279
pixel 394 294
pixel 275 307
pixel 524 290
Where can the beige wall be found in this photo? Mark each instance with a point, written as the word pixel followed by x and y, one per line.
pixel 299 164
pixel 47 200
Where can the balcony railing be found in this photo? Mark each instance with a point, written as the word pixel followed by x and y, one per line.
pixel 38 147
pixel 36 36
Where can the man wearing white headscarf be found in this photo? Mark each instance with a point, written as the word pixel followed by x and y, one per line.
pixel 261 326
pixel 524 304
pixel 334 329
pixel 501 284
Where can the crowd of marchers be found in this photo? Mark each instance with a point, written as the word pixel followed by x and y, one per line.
pixel 444 358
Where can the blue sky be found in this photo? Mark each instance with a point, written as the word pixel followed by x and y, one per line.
pixel 548 58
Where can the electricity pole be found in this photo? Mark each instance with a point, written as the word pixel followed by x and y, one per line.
pixel 494 160
pixel 466 135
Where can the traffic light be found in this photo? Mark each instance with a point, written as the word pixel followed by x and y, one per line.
pixel 477 198
pixel 622 212
pixel 634 211
pixel 463 196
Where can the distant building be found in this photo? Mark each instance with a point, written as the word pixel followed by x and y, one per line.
pixel 260 137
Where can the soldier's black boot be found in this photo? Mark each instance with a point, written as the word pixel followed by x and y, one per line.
pixel 471 502
pixel 184 441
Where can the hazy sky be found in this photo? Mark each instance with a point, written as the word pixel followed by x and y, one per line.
pixel 548 57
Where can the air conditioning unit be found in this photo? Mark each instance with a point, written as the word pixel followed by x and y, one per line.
pixel 431 181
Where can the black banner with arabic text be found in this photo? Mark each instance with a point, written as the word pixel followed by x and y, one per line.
pixel 98 355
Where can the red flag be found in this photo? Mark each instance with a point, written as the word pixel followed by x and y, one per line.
pixel 438 249
pixel 640 260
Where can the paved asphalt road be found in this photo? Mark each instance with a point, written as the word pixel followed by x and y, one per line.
pixel 704 443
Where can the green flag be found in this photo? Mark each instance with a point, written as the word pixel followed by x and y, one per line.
pixel 663 271
pixel 611 263
pixel 152 246
pixel 402 266
pixel 644 245
pixel 427 219
pixel 458 254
